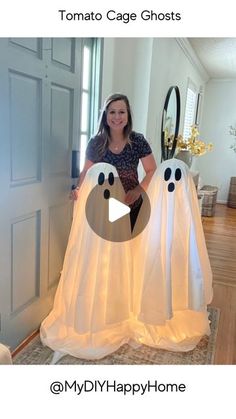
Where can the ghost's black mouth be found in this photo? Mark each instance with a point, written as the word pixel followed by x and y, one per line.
pixel 171 187
pixel 106 194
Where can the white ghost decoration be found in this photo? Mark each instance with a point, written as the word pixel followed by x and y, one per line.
pixel 91 312
pixel 172 274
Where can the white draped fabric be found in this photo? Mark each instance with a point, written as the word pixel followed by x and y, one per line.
pixel 5 355
pixel 173 278
pixel 91 312
pixel 153 289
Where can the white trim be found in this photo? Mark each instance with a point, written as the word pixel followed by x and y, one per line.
pixel 192 56
pixel 190 108
pixel 219 80
pixel 221 201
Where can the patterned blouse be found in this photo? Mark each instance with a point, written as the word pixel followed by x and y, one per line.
pixel 126 162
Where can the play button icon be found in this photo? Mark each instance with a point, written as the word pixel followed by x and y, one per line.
pixel 107 213
pixel 116 210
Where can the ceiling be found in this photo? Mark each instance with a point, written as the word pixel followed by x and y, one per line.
pixel 217 55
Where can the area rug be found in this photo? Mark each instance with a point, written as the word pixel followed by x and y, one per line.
pixel 37 354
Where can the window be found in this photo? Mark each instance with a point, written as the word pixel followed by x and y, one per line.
pixel 90 92
pixel 190 109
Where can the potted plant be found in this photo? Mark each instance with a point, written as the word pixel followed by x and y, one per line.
pixel 192 146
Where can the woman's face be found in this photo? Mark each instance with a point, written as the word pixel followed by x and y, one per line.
pixel 117 115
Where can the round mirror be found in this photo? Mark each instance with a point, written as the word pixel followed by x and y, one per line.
pixel 170 123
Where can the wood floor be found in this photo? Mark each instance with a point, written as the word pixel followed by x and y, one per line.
pixel 220 233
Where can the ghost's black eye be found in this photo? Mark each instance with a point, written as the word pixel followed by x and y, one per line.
pixel 101 178
pixel 111 178
pixel 167 174
pixel 178 174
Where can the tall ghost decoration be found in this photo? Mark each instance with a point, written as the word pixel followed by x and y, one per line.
pixel 91 312
pixel 172 273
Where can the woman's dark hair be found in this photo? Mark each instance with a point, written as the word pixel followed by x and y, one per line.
pixel 103 132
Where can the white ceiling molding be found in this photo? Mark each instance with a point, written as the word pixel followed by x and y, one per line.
pixel 192 56
pixel 217 55
pixel 225 80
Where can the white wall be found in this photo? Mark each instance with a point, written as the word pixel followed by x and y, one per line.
pixel 218 113
pixel 170 66
pixel 108 67
pixel 126 69
pixel 144 69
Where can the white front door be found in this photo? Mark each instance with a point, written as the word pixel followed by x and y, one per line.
pixel 39 117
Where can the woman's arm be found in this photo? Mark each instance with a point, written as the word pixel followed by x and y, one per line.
pixel 149 166
pixel 87 165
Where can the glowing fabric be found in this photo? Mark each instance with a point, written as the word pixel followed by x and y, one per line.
pixel 173 278
pixel 153 289
pixel 91 312
pixel 5 355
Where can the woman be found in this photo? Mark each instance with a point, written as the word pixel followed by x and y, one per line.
pixel 117 144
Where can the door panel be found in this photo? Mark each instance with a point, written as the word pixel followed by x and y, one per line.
pixel 63 52
pixel 61 101
pixel 57 240
pixel 25 134
pixel 39 104
pixel 29 44
pixel 24 275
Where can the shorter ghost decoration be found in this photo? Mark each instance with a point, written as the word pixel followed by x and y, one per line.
pixel 172 274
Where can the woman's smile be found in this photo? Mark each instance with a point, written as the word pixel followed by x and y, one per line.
pixel 117 115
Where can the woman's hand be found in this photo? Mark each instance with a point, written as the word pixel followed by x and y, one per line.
pixel 133 195
pixel 74 194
